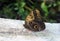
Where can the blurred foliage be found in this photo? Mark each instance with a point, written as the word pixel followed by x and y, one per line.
pixel 19 9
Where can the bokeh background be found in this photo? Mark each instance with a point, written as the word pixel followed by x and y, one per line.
pixel 19 9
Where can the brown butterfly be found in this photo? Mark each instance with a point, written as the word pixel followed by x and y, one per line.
pixel 34 21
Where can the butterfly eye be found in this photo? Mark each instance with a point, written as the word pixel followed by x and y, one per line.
pixel 35 27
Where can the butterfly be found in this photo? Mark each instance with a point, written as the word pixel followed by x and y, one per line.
pixel 34 21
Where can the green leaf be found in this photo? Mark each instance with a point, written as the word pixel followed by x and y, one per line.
pixel 21 10
pixel 54 4
pixel 44 7
pixel 22 4
pixel 50 5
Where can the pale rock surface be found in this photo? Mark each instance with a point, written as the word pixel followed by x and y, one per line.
pixel 13 30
